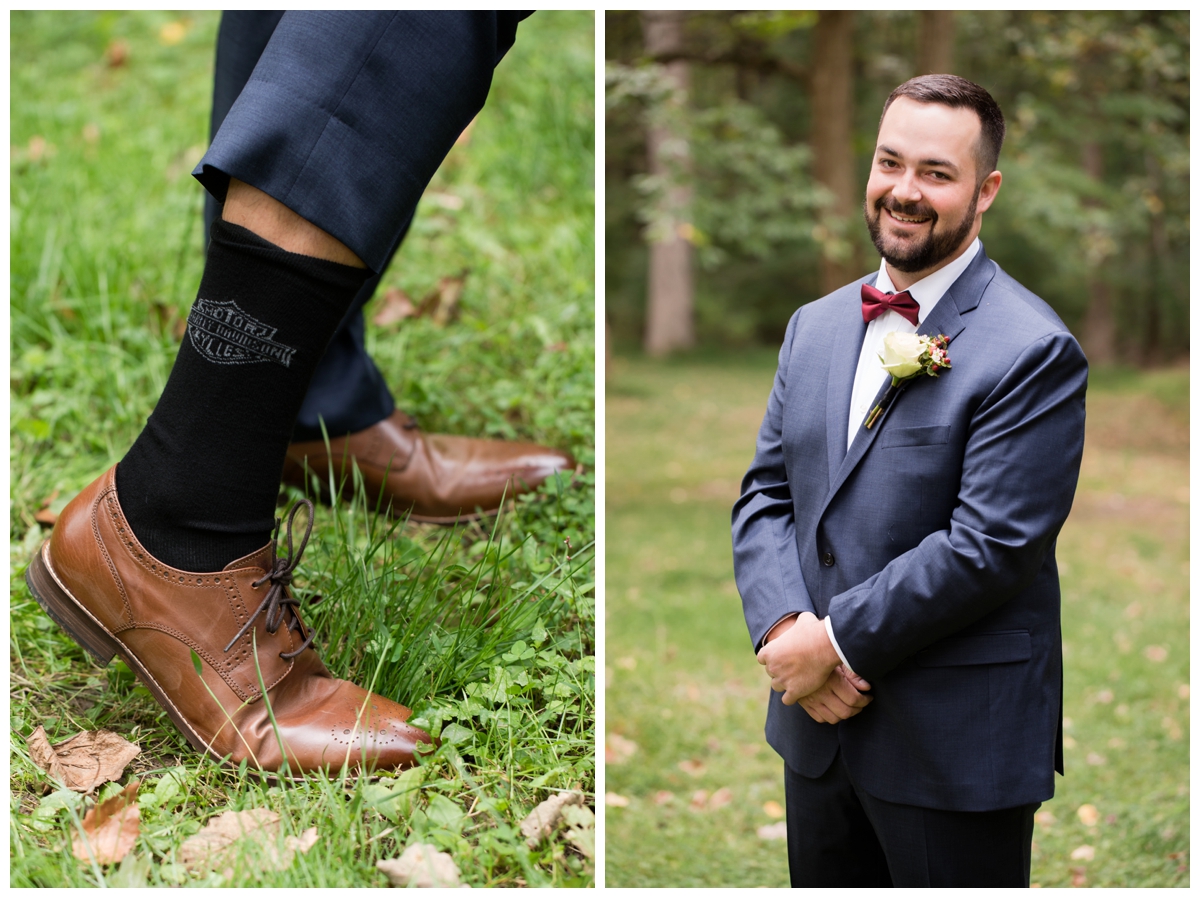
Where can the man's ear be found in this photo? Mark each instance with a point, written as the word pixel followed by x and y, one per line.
pixel 987 192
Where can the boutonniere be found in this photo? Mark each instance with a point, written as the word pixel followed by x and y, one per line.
pixel 906 356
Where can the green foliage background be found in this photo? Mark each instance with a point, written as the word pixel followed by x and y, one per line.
pixel 1116 79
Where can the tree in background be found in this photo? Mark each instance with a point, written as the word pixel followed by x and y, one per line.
pixel 669 292
pixel 1094 213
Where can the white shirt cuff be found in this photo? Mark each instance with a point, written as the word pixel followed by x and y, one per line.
pixel 833 639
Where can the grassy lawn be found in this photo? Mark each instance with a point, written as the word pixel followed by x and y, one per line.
pixel 486 631
pixel 694 780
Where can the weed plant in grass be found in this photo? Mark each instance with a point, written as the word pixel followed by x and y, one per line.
pixel 485 629
pixel 686 758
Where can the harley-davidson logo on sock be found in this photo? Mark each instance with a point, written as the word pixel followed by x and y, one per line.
pixel 223 333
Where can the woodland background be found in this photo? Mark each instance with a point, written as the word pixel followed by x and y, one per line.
pixel 738 147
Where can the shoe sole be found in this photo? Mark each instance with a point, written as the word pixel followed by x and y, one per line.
pixel 81 625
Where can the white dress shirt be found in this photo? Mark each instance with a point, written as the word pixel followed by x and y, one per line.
pixel 870 376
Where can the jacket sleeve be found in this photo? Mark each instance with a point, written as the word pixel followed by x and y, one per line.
pixel 1020 468
pixel 766 562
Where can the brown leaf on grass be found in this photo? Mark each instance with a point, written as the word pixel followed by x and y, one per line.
pixel 692 767
pixel 441 303
pixel 773 809
pixel 213 847
pixel 1078 877
pixel 116 54
pixel 699 800
pixel 543 819
pixel 662 796
pixel 84 762
pixel 1156 653
pixel 422 867
pixel 207 848
pixel 773 830
pixel 615 800
pixel 109 829
pixel 172 33
pixel 1088 815
pixel 1045 819
pixel 720 798
pixel 1084 853
pixel 395 307
pixel 618 749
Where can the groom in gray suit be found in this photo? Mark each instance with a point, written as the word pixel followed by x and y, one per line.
pixel 894 540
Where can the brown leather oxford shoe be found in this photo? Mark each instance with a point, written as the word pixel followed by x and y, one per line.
pixel 439 479
pixel 99 584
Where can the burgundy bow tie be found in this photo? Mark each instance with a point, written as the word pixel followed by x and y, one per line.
pixel 876 302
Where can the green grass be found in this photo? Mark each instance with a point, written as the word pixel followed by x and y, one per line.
pixel 683 685
pixel 486 630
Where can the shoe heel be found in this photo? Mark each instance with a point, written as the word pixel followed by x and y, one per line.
pixel 66 612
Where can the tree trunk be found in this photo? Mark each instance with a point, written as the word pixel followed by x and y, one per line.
pixel 1099 338
pixel 935 42
pixel 832 143
pixel 669 300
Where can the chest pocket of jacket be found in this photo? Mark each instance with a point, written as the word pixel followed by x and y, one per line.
pixel 914 436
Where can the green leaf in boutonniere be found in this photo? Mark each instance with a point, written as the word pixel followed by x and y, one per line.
pixel 906 356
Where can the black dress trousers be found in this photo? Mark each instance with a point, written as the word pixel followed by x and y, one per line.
pixel 344 117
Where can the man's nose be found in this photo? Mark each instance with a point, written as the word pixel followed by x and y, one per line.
pixel 906 190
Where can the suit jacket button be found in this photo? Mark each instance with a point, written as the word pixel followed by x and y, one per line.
pixel 827 559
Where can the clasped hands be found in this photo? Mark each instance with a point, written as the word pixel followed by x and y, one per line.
pixel 803 665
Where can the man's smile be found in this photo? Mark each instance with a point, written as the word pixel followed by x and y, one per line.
pixel 907 219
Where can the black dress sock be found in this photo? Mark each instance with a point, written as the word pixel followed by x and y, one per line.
pixel 200 483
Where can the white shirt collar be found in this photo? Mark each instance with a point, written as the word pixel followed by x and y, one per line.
pixel 927 291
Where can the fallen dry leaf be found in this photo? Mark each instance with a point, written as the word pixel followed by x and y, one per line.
pixel 1156 653
pixel 1044 819
pixel 720 798
pixel 116 54
pixel 1184 691
pixel 1096 759
pixel 422 866
pixel 627 662
pixel 543 819
pixel 662 796
pixel 1088 815
pixel 1083 853
pixel 395 307
pixel 441 304
pixel 773 809
pixel 109 829
pixel 692 767
pixel 613 800
pixel 172 33
pixel 618 749
pixel 1078 877
pixel 207 848
pixel 773 830
pixel 84 762
pixel 699 800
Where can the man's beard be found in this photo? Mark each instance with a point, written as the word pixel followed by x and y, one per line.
pixel 924 254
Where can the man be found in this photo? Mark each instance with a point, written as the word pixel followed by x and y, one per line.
pixel 898 580
pixel 168 558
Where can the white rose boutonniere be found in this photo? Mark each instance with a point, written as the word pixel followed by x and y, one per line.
pixel 906 356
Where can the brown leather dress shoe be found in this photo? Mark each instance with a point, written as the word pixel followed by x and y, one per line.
pixel 99 584
pixel 439 479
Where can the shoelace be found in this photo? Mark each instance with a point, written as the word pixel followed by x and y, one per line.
pixel 277 598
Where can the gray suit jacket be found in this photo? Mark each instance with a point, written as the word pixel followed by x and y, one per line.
pixel 930 543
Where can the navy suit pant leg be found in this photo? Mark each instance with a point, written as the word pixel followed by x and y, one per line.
pixel 344 118
pixel 839 836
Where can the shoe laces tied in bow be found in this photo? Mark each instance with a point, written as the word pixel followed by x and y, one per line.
pixel 278 599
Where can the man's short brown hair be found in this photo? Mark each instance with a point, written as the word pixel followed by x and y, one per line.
pixel 956 92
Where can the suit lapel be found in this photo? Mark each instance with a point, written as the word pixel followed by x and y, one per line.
pixel 946 318
pixel 843 362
